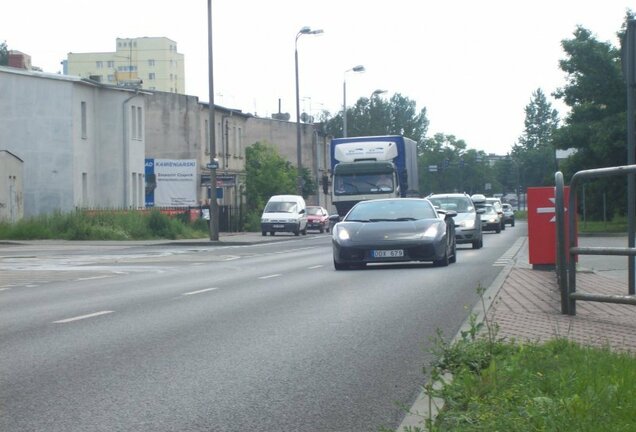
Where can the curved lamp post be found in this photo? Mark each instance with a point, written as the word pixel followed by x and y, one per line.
pixel 376 92
pixel 358 68
pixel 299 180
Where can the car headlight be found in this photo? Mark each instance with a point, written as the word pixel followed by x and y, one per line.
pixel 431 232
pixel 468 224
pixel 493 219
pixel 264 220
pixel 341 234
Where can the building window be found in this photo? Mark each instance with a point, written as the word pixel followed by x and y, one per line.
pixel 84 120
pixel 99 64
pixel 140 135
pixel 110 64
pixel 239 144
pixel 151 76
pixel 111 78
pixel 151 62
pixel 133 118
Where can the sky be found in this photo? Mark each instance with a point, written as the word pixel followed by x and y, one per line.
pixel 472 64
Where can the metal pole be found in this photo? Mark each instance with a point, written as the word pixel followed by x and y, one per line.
pixel 214 208
pixel 344 108
pixel 562 271
pixel 631 144
pixel 299 178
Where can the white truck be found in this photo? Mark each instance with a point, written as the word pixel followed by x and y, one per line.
pixel 374 167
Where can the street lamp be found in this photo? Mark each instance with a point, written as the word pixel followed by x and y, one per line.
pixel 214 208
pixel 358 68
pixel 299 180
pixel 376 92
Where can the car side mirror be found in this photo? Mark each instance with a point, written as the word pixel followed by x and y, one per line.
pixel 480 211
pixel 334 218
pixel 301 211
pixel 450 214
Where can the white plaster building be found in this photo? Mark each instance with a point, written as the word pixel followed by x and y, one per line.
pixel 82 143
pixel 11 186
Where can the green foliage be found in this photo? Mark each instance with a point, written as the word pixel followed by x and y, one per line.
pixel 102 225
pixel 267 174
pixel 376 116
pixel 597 123
pixel 559 385
pixel 4 54
pixel 534 154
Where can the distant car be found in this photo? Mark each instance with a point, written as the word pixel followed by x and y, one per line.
pixel 393 230
pixel 317 218
pixel 467 221
pixel 481 200
pixel 509 214
pixel 490 219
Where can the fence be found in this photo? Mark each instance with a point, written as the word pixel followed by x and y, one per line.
pixel 566 256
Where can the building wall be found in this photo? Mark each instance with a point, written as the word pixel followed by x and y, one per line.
pixel 70 135
pixel 11 187
pixel 153 60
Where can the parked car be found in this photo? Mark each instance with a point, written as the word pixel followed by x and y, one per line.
pixel 317 218
pixel 490 219
pixel 393 230
pixel 509 214
pixel 467 221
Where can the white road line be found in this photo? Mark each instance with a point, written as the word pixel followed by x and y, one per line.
pixel 92 278
pixel 81 317
pixel 314 267
pixel 4 289
pixel 270 276
pixel 199 291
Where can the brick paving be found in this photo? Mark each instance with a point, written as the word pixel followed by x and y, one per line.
pixel 527 308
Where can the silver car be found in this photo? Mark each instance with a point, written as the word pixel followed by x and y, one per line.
pixel 467 222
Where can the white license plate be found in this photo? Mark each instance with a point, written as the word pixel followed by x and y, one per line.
pixel 278 226
pixel 388 253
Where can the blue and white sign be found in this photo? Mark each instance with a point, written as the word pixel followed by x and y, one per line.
pixel 171 182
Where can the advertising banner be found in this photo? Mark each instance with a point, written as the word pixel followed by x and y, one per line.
pixel 171 182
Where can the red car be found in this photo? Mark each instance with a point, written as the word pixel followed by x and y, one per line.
pixel 317 218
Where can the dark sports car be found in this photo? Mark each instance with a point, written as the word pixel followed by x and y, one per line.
pixel 394 230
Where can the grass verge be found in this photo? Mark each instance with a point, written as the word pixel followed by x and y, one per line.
pixel 104 225
pixel 500 385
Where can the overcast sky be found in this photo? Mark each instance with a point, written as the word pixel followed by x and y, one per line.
pixel 472 64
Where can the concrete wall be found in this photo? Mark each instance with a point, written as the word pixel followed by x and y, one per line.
pixel 11 187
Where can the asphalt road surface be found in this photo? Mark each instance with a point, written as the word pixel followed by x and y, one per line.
pixel 263 337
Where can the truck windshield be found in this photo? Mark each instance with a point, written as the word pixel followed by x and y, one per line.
pixel 355 184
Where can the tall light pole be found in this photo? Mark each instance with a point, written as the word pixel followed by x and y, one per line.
pixel 376 92
pixel 358 68
pixel 299 163
pixel 214 208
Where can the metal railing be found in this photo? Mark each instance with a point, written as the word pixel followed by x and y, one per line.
pixel 567 255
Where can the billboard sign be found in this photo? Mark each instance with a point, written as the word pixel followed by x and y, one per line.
pixel 171 182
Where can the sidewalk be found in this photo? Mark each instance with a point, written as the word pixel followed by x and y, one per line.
pixel 527 306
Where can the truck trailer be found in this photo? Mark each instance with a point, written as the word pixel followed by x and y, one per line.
pixel 372 167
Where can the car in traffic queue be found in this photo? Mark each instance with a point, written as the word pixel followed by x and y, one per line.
pixel 490 219
pixel 509 214
pixel 317 218
pixel 393 230
pixel 480 201
pixel 467 220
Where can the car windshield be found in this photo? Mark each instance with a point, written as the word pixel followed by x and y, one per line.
pixel 489 209
pixel 458 204
pixel 354 184
pixel 314 211
pixel 391 210
pixel 280 207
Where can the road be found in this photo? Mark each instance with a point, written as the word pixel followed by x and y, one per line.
pixel 257 337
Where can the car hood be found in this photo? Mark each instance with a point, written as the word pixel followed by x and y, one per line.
pixel 364 232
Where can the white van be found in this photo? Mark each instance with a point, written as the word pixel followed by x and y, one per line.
pixel 284 213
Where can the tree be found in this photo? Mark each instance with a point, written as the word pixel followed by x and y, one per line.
pixel 4 54
pixel 398 116
pixel 267 174
pixel 534 152
pixel 597 123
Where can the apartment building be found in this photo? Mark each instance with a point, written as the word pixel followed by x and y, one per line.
pixel 151 63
